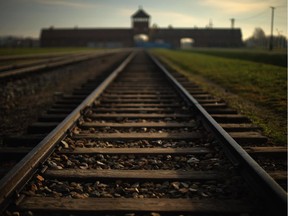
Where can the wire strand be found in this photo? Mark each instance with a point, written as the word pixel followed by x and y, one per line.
pixel 253 16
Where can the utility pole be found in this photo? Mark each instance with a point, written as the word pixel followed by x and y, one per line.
pixel 232 23
pixel 271 36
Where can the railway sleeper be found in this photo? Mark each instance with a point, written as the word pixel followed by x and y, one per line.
pixel 208 191
pixel 137 105
pixel 137 151
pixel 230 118
pixel 214 105
pixel 139 96
pixel 242 127
pixel 274 151
pixel 129 205
pixel 146 136
pixel 132 175
pixel 138 92
pixel 140 116
pixel 155 101
pixel 135 110
pixel 250 137
pixel 140 124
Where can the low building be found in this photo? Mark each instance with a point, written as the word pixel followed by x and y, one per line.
pixel 140 34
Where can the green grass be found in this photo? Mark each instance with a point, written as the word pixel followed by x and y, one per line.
pixel 261 84
pixel 35 51
pixel 278 58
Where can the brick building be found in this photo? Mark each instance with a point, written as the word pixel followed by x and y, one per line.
pixel 127 37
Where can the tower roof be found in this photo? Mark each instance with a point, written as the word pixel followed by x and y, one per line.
pixel 140 14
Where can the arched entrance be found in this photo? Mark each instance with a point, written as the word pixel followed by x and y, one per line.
pixel 140 40
pixel 186 43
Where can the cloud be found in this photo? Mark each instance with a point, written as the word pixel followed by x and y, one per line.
pixel 66 3
pixel 233 6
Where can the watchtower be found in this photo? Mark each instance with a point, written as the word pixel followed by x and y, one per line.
pixel 140 22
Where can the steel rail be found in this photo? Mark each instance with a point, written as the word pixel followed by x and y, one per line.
pixel 14 180
pixel 42 55
pixel 49 65
pixel 267 189
pixel 15 66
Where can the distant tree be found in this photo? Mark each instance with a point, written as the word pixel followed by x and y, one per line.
pixel 259 34
pixel 17 41
pixel 154 26
pixel 258 39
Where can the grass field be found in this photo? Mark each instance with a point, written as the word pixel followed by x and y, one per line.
pixel 278 58
pixel 262 86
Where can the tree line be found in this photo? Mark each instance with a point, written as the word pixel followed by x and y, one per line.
pixel 260 40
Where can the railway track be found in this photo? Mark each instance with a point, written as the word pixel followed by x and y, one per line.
pixel 271 156
pixel 44 62
pixel 140 144
pixel 15 146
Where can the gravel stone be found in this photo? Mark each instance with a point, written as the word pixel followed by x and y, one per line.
pixel 233 188
pixel 131 161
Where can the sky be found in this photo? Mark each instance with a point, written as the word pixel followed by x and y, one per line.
pixel 27 17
